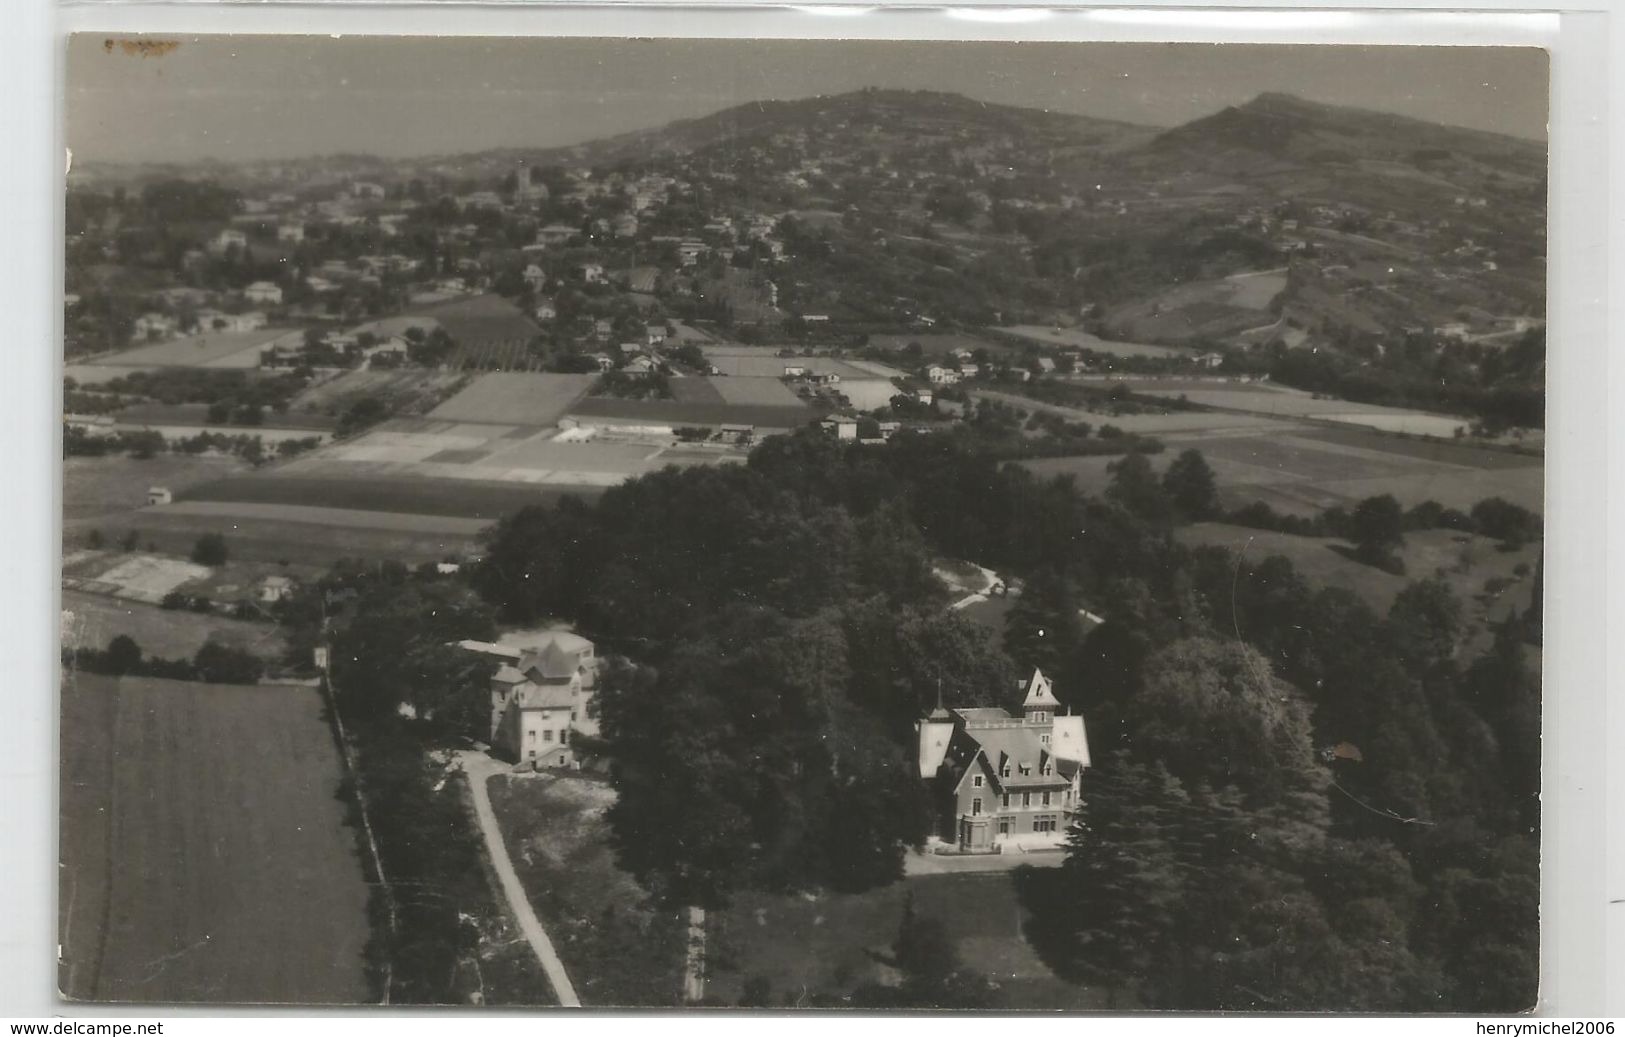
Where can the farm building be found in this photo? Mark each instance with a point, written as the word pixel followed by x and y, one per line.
pixel 998 779
pixel 159 495
pixel 275 588
pixel 540 694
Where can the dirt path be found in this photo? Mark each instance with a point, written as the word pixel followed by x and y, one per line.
pixel 479 769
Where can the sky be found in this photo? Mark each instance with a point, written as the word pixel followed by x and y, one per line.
pixel 240 98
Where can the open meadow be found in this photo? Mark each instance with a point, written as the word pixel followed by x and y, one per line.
pixel 478 500
pixel 1076 338
pixel 1304 470
pixel 1213 308
pixel 97 486
pixel 738 361
pixel 1279 401
pixel 479 320
pixel 514 398
pixel 1488 580
pixel 92 620
pixel 239 349
pixel 204 850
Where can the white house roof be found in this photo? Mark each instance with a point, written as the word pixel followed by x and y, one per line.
pixel 934 738
pixel 1069 740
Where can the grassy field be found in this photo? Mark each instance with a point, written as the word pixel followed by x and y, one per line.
pixel 1469 564
pixel 1303 471
pixel 210 349
pixel 1209 308
pixel 621 950
pixel 480 500
pixel 618 949
pixel 1255 398
pixel 480 319
pixel 92 620
pixel 1073 338
pixel 699 390
pixel 516 399
pixel 832 943
pixel 755 392
pixel 278 539
pixel 338 518
pixel 940 344
pixel 205 855
pixel 198 414
pixel 98 374
pixel 737 361
pixel 412 389
pixel 97 486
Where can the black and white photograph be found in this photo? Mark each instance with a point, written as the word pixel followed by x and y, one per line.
pixel 791 524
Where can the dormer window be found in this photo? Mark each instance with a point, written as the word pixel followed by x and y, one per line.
pixel 1026 770
pixel 1004 772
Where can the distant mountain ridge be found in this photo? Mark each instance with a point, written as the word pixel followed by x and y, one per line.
pixel 1271 135
pixel 1284 126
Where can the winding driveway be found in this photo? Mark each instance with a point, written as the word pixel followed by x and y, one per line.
pixel 479 768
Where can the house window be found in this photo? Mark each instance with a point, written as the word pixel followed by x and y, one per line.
pixel 1026 799
pixel 547 736
pixel 1004 826
pixel 1026 769
pixel 1006 801
pixel 1040 717
pixel 1043 824
pixel 531 754
pixel 1044 740
pixel 976 782
pixel 976 806
pixel 572 716
pixel 1046 799
pixel 1004 772
pixel 564 738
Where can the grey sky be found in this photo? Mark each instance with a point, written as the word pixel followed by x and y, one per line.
pixel 239 98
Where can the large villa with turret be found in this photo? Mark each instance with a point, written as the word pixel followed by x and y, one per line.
pixel 1002 781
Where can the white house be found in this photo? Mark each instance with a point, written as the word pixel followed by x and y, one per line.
pixel 541 694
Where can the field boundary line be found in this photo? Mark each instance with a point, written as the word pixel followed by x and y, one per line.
pixel 348 755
